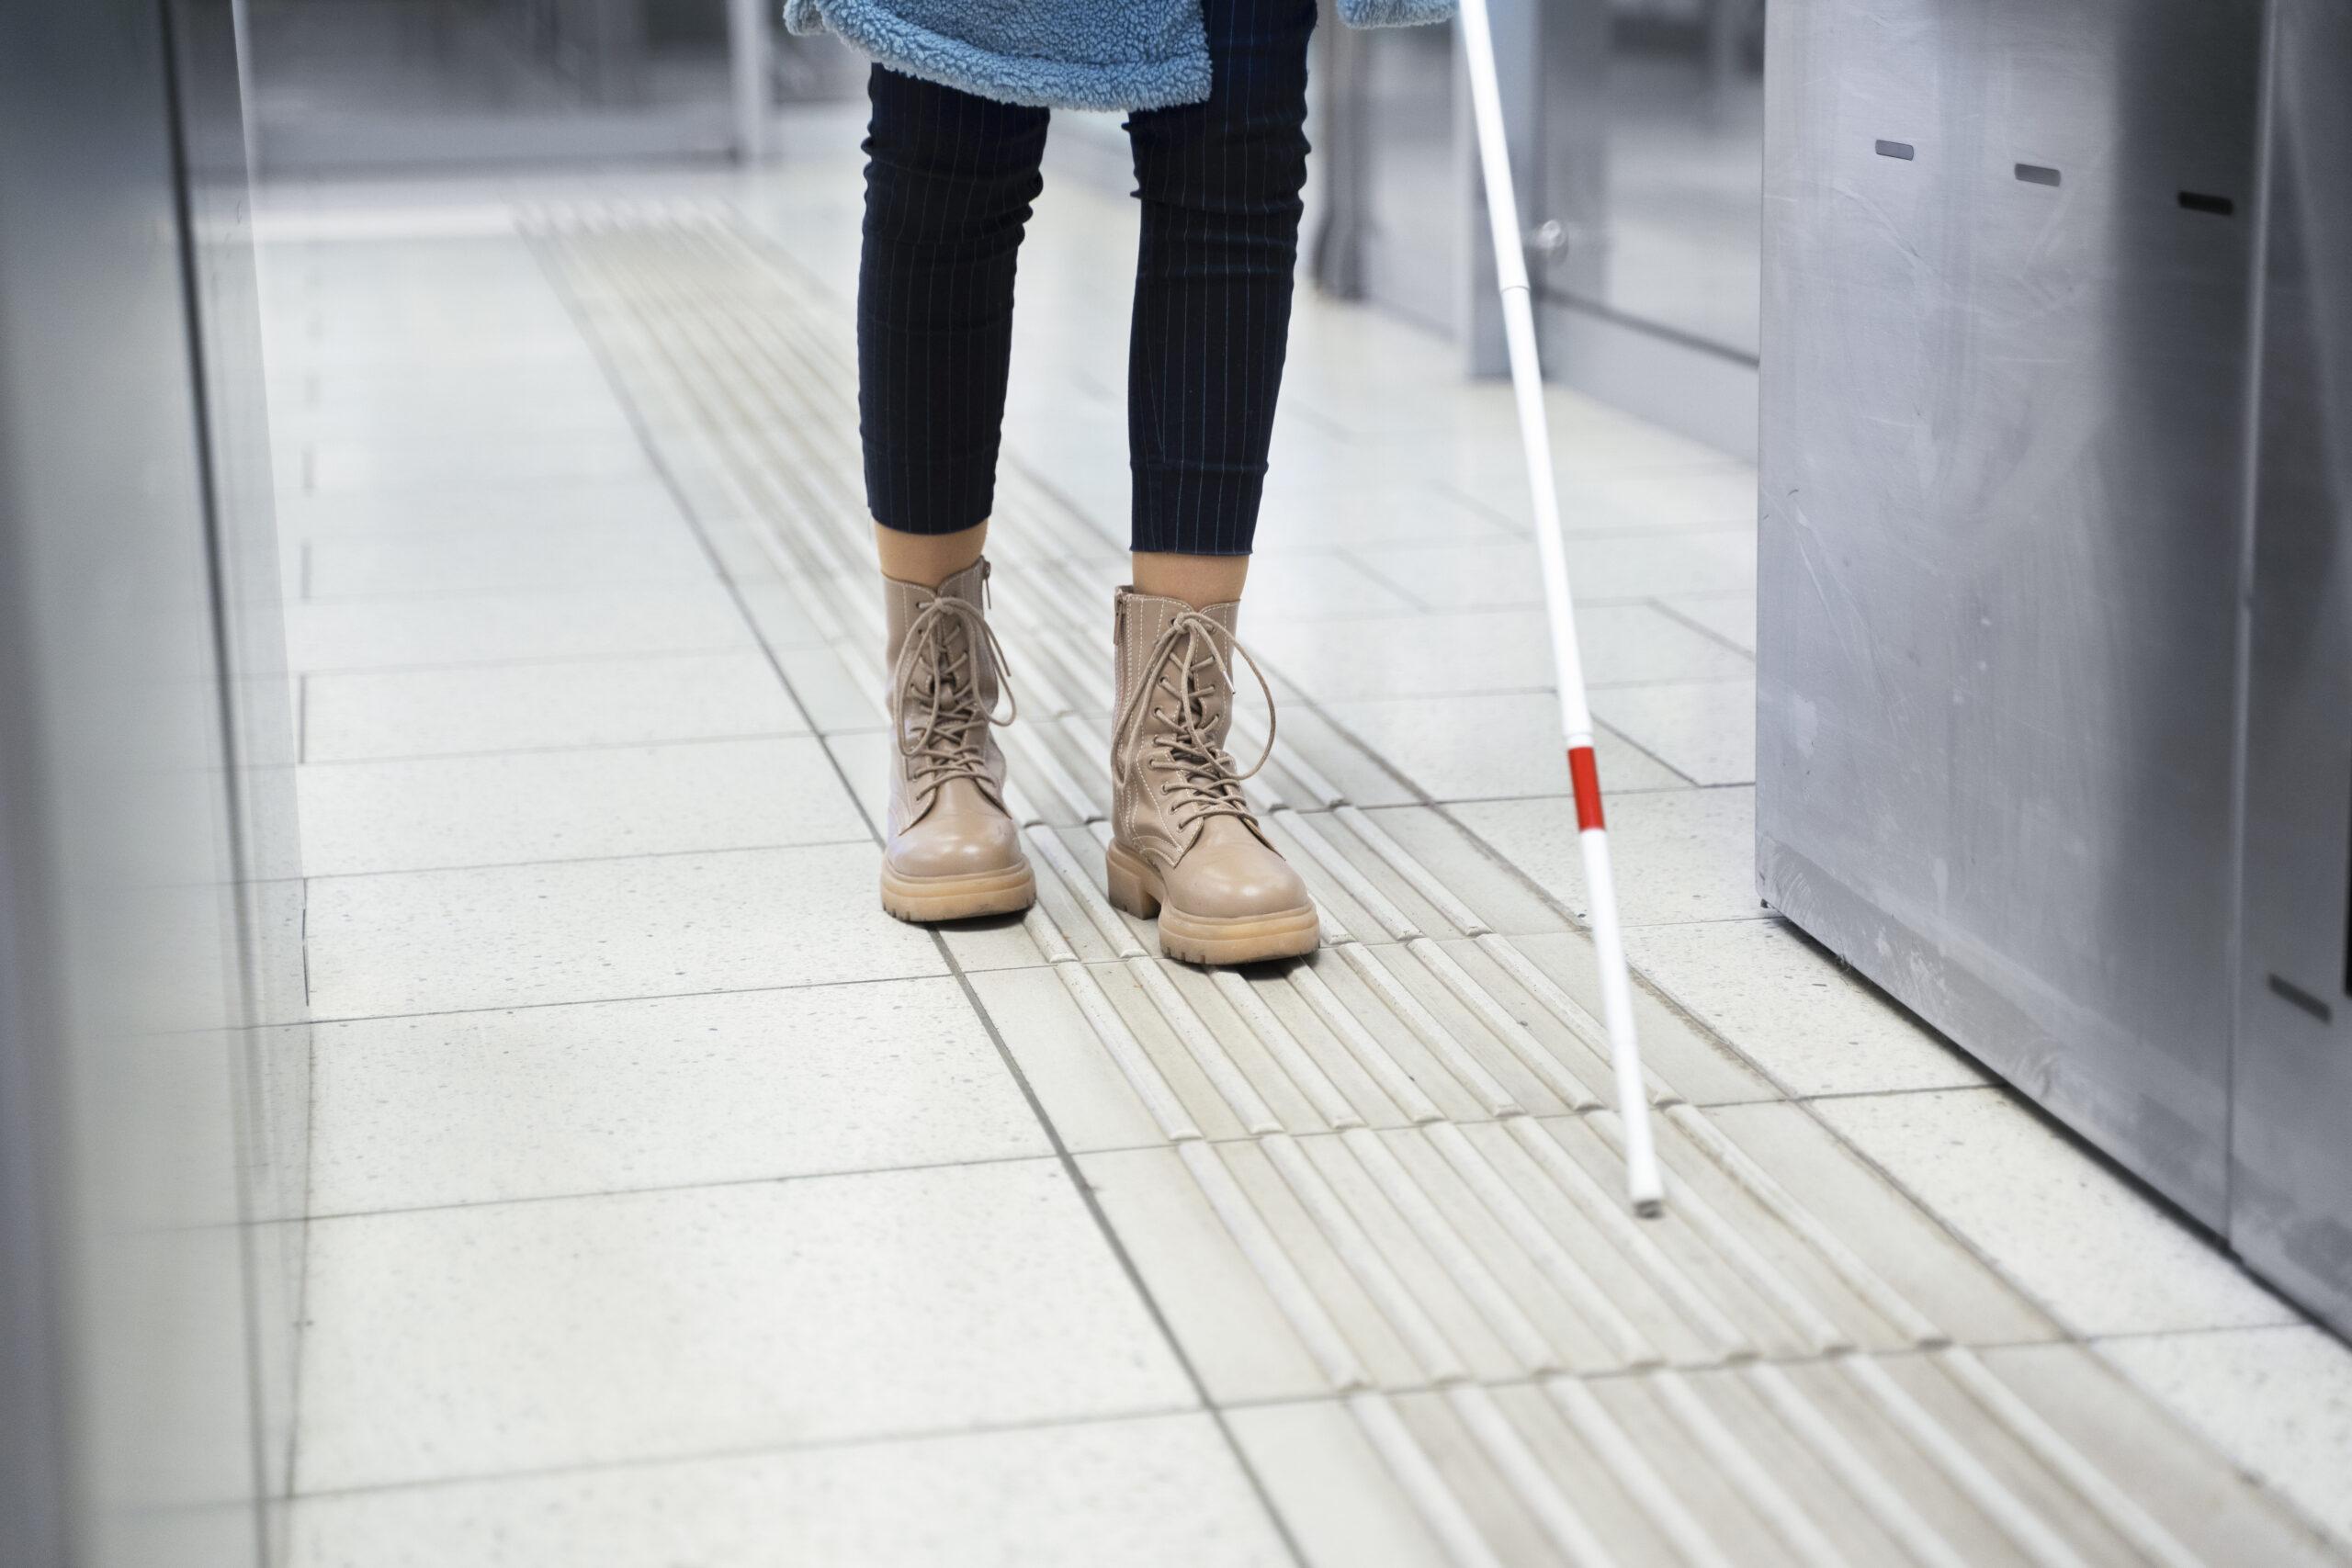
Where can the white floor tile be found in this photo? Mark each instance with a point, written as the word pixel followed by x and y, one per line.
pixel 863 756
pixel 2279 1401
pixel 1703 729
pixel 1501 650
pixel 835 699
pixel 511 807
pixel 1699 1069
pixel 1497 893
pixel 459 358
pixel 1794 1011
pixel 485 628
pixel 368 716
pixel 347 465
pixel 1477 574
pixel 575 415
pixel 596 930
pixel 1333 1488
pixel 1907 1242
pixel 1088 1100
pixel 2072 1233
pixel 1317 585
pixel 776 610
pixel 1314 509
pixel 1002 943
pixel 1366 780
pixel 618 502
pixel 607 1096
pixel 2163 1461
pixel 1679 855
pixel 1731 617
pixel 1232 1331
pixel 530 556
pixel 1492 746
pixel 467 1342
pixel 1151 1492
pixel 1671 499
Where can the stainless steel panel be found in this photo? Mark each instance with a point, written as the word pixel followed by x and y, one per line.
pixel 2003 532
pixel 2291 1201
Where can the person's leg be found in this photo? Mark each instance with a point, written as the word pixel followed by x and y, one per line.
pixel 1198 580
pixel 949 178
pixel 948 182
pixel 928 559
pixel 1220 184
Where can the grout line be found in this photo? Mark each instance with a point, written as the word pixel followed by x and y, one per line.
pixel 1111 964
pixel 1659 604
pixel 670 1189
pixel 1420 605
pixel 1247 1405
pixel 443 593
pixel 560 746
pixel 663 651
pixel 628 997
pixel 747 1452
pixel 532 661
pixel 768 849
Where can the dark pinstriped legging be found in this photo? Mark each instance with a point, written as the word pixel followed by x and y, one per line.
pixel 949 178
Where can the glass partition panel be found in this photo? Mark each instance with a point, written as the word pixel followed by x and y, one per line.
pixel 1685 167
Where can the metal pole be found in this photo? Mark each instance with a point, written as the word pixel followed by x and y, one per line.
pixel 1642 1184
pixel 747 58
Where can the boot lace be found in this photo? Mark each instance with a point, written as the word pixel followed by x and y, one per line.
pixel 1196 769
pixel 940 724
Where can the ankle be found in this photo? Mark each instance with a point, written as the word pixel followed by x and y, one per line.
pixel 927 560
pixel 1197 581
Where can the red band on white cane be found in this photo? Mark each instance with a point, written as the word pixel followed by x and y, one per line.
pixel 1586 779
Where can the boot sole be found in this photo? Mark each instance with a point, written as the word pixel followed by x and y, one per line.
pixel 925 900
pixel 1208 939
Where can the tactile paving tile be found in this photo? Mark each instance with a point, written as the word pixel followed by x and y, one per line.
pixel 1403 1140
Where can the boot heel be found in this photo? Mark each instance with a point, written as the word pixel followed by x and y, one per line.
pixel 1128 888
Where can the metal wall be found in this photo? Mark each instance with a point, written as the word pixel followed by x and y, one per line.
pixel 2006 366
pixel 2055 622
pixel 2290 1199
pixel 154 1067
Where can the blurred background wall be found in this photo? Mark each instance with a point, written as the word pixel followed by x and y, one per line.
pixel 1638 129
pixel 1637 125
pixel 154 1060
pixel 350 85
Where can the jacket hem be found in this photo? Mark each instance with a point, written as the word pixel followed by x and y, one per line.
pixel 1395 12
pixel 918 52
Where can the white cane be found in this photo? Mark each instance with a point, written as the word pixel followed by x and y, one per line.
pixel 1642 1182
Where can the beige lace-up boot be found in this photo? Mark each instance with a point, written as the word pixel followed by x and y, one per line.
pixel 1184 845
pixel 953 850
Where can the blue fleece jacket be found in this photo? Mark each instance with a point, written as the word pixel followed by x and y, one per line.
pixel 1076 55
